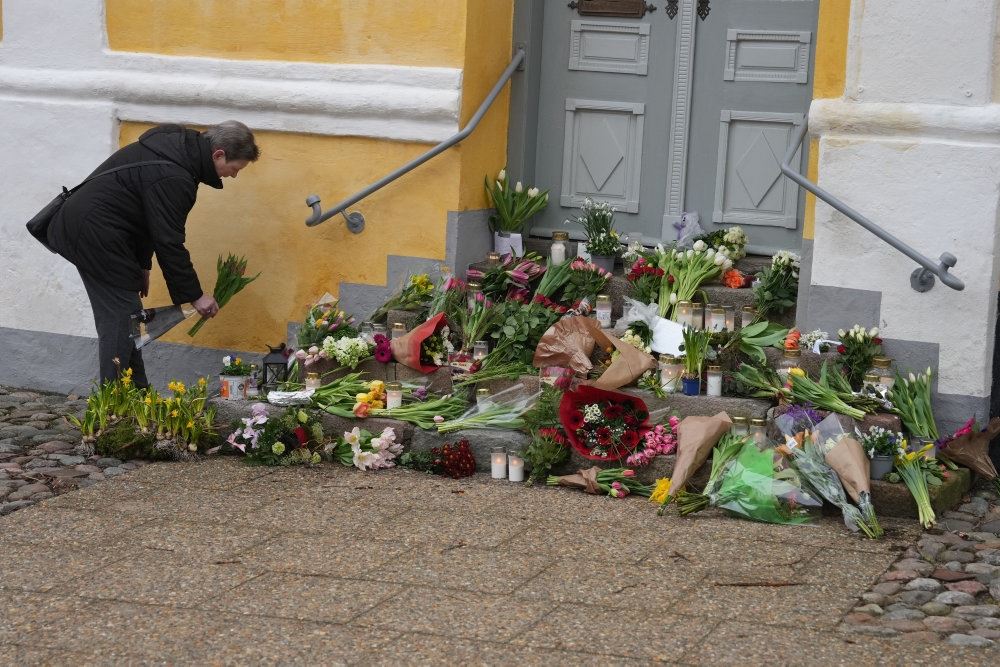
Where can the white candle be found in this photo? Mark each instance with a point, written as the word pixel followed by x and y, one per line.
pixel 515 472
pixel 393 395
pixel 498 463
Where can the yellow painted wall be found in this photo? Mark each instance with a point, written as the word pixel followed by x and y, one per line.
pixel 335 31
pixel 261 215
pixel 488 49
pixel 828 81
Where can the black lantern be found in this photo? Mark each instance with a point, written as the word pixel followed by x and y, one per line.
pixel 275 367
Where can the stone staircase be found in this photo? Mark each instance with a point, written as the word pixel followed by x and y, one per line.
pixel 890 499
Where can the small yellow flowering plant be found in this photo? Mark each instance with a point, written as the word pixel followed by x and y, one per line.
pixel 234 366
pixel 125 420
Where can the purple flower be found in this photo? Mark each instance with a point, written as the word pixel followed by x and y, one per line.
pixel 420 393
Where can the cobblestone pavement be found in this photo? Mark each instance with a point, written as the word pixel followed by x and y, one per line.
pixel 218 562
pixel 39 457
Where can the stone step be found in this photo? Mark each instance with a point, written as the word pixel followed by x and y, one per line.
pixel 889 499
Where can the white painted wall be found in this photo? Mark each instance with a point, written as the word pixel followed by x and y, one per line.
pixel 63 95
pixel 915 145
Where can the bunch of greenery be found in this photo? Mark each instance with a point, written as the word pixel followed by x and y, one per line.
pixel 778 288
pixel 598 222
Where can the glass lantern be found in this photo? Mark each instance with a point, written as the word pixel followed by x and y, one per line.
pixel 730 313
pixel 671 369
pixel 697 316
pixel 683 314
pixel 275 368
pixel 398 330
pixel 741 426
pixel 758 431
pixel 480 349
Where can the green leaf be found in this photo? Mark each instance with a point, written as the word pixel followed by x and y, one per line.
pixel 753 330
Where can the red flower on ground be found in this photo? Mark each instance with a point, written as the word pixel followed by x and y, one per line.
pixel 841 349
pixel 301 435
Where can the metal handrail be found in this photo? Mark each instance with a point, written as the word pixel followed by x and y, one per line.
pixel 355 220
pixel 922 279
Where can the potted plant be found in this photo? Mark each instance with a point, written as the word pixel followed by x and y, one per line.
pixel 881 446
pixel 233 378
pixel 695 350
pixel 598 222
pixel 513 207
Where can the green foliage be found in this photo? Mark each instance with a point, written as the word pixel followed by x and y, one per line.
pixel 546 450
pixel 545 412
pixel 778 290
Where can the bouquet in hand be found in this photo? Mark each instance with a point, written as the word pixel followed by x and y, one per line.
pixel 229 282
pixel 603 425
pixel 615 482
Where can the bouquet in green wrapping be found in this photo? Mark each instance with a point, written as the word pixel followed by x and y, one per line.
pixel 752 485
pixel 231 279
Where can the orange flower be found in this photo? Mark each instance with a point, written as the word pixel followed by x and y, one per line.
pixel 361 410
pixel 734 279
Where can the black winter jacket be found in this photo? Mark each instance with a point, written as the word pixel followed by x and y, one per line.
pixel 111 227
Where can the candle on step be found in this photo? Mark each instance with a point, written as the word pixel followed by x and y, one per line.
pixel 515 463
pixel 393 395
pixel 498 463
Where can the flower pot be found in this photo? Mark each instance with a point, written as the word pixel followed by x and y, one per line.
pixel 880 466
pixel 233 387
pixel 606 262
pixel 692 386
pixel 508 242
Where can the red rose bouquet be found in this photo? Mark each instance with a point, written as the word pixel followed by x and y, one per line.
pixel 603 425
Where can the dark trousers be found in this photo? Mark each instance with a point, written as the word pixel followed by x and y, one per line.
pixel 112 307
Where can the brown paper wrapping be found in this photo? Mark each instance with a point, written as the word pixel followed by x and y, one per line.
pixel 696 436
pixel 973 450
pixel 583 479
pixel 570 342
pixel 848 460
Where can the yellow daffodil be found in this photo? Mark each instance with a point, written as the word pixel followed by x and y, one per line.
pixel 202 382
pixel 148 400
pixel 660 491
pixel 239 361
pixel 174 413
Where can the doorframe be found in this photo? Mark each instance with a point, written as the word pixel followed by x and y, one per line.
pixel 522 124
pixel 680 118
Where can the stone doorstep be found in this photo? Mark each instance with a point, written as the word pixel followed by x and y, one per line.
pixel 889 499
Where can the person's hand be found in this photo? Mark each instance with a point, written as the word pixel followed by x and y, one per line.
pixel 206 306
pixel 144 292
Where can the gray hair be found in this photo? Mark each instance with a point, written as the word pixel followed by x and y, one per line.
pixel 235 139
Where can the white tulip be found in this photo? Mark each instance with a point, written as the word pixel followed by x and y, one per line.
pixel 690 254
pixel 518 187
pixel 719 260
pixel 499 185
pixel 673 297
pixel 699 245
pixel 710 252
pixel 502 175
pixel 533 192
pixel 929 371
pixel 841 333
pixel 726 265
pixel 913 378
pixel 874 332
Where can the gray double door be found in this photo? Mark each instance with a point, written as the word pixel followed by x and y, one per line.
pixel 660 116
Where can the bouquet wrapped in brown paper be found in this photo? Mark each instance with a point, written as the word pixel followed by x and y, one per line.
pixel 847 458
pixel 615 482
pixel 972 449
pixel 569 343
pixel 696 436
